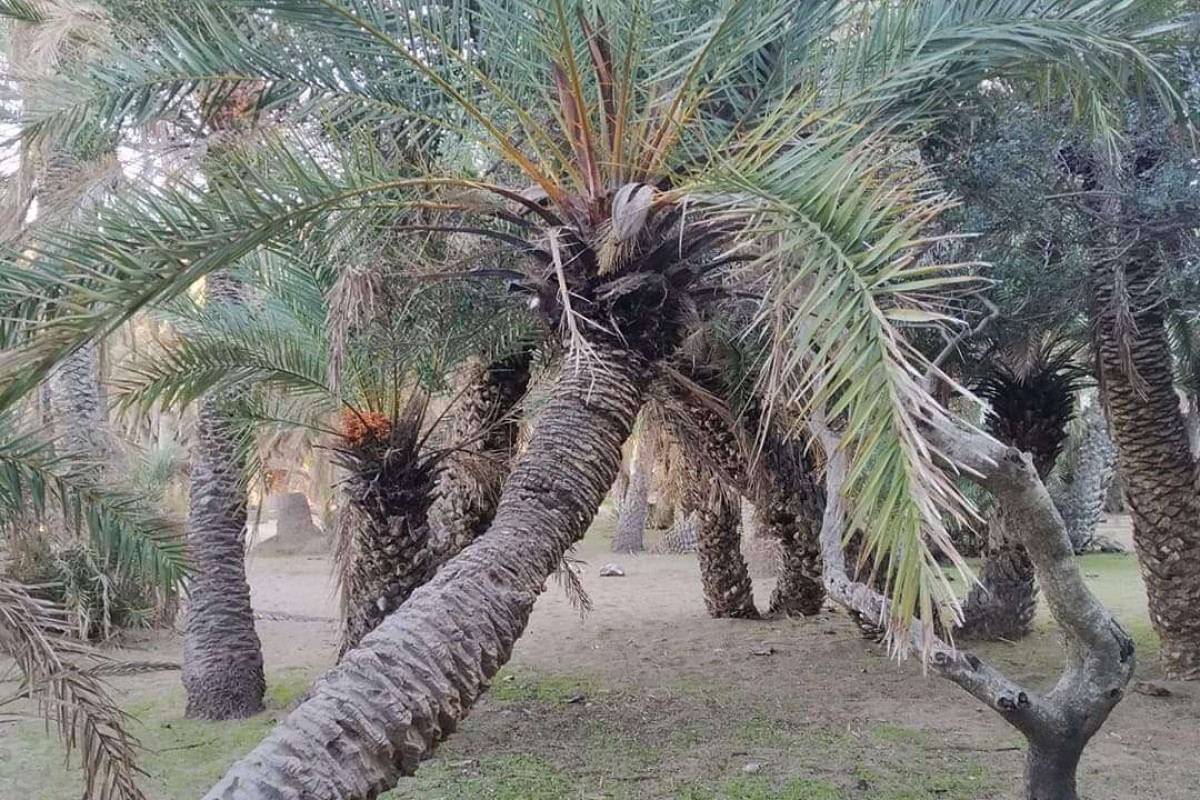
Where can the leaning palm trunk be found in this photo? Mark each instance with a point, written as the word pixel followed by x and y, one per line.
pixel 793 518
pixel 635 503
pixel 1031 413
pixel 384 709
pixel 1155 455
pixel 483 436
pixel 222 655
pixel 1093 466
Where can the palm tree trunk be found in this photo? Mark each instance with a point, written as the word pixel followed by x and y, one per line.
pixel 1154 453
pixel 727 588
pixel 635 504
pixel 484 434
pixel 222 655
pixel 385 707
pixel 1093 466
pixel 385 546
pixel 79 408
pixel 794 520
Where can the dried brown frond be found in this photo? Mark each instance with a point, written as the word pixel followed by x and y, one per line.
pixel 68 692
pixel 352 301
pixel 568 578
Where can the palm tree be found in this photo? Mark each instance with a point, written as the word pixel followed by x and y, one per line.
pixel 681 148
pixel 1145 239
pixel 1082 492
pixel 1030 388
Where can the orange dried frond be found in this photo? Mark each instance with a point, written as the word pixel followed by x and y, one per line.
pixel 358 428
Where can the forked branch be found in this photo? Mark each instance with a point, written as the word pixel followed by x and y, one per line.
pixel 1100 654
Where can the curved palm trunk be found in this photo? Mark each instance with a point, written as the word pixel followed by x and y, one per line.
pixel 727 588
pixel 385 707
pixel 635 504
pixel 222 655
pixel 1154 453
pixel 484 434
pixel 1031 415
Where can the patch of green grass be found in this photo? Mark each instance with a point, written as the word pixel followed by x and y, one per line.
pixel 510 777
pixel 287 686
pixel 756 788
pixel 957 780
pixel 181 757
pixel 512 687
pixel 899 733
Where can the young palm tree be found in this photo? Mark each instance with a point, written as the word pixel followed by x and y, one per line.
pixel 681 147
pixel 1030 389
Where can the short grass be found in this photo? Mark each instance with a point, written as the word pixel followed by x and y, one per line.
pixel 548 736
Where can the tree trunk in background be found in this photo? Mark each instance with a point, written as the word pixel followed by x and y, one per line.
pixel 484 430
pixel 727 587
pixel 1093 466
pixel 222 655
pixel 80 412
pixel 1155 455
pixel 385 707
pixel 683 537
pixel 635 505
pixel 1031 413
pixel 794 519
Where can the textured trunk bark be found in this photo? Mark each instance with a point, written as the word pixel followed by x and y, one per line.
pixel 727 588
pixel 391 558
pixel 387 705
pixel 800 590
pixel 683 537
pixel 635 504
pixel 1050 769
pixel 79 409
pixel 484 431
pixel 385 546
pixel 1154 453
pixel 1081 502
pixel 222 655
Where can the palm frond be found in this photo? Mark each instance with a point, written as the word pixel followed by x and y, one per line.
pixel 68 692
pixel 123 525
pixel 844 215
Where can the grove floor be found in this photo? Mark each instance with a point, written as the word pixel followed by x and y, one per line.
pixel 647 697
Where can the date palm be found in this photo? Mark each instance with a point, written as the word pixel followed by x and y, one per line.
pixel 630 166
pixel 1030 388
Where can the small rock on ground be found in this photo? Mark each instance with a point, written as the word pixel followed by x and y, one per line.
pixel 612 571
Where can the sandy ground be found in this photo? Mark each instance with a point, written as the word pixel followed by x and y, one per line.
pixel 652 664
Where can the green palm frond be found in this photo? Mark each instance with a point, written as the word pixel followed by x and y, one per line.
pixel 845 215
pixel 123 526
pixel 22 11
